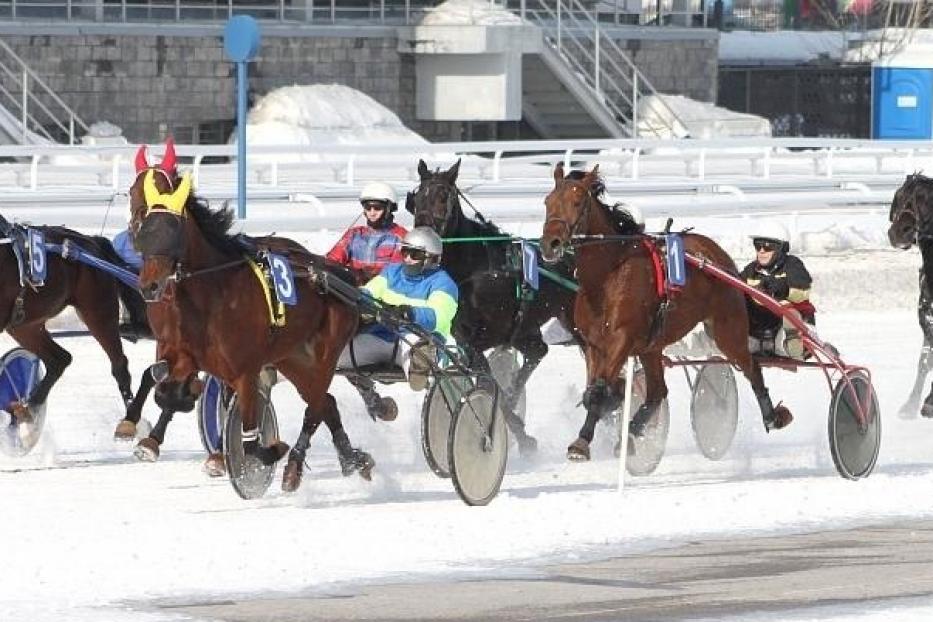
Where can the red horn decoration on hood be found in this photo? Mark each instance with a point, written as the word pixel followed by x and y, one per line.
pixel 168 163
pixel 141 162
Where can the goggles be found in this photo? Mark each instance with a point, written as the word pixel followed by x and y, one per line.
pixel 374 206
pixel 418 254
pixel 766 245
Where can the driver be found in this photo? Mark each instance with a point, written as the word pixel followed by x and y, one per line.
pixel 783 277
pixel 369 247
pixel 417 291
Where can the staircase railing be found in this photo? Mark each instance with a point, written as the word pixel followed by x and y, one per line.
pixel 600 65
pixel 38 109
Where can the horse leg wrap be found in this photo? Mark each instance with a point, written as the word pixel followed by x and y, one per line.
pixel 765 405
pixel 351 458
pixel 927 409
pixel 595 395
pixel 641 418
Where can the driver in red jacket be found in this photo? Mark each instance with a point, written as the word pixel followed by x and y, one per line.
pixel 369 247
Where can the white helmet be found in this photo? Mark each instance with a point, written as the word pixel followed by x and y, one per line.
pixel 426 239
pixel 772 231
pixel 378 191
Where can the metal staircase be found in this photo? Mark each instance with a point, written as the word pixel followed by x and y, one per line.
pixel 594 72
pixel 30 111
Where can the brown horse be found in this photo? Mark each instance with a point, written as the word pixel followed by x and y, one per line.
pixel 94 294
pixel 620 313
pixel 214 315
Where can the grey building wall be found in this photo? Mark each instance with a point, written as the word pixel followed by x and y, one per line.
pixel 154 81
pixel 682 61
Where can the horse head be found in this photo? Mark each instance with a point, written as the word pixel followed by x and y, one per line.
pixel 435 202
pixel 160 233
pixel 166 169
pixel 908 211
pixel 568 207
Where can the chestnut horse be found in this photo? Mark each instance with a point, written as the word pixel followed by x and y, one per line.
pixel 218 315
pixel 620 313
pixel 911 219
pixel 93 293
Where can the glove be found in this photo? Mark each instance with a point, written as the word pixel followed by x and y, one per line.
pixel 400 312
pixel 777 288
pixel 368 316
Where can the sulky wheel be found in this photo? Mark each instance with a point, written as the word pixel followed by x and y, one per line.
pixel 249 477
pixel 478 447
pixel 442 399
pixel 20 372
pixel 714 409
pixel 213 406
pixel 645 452
pixel 854 444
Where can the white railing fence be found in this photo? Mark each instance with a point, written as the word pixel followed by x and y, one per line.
pixel 88 174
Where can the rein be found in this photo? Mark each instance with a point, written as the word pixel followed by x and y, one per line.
pixel 179 274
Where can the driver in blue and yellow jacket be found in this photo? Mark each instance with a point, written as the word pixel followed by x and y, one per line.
pixel 418 291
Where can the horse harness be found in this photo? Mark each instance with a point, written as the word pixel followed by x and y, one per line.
pixel 17 236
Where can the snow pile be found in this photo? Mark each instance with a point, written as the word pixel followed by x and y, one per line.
pixel 322 115
pixel 460 12
pixel 689 117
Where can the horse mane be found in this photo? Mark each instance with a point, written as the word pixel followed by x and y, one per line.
pixel 214 224
pixel 621 219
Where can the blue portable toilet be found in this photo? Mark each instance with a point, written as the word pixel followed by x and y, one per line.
pixel 902 95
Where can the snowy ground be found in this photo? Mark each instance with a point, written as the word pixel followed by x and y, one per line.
pixel 97 536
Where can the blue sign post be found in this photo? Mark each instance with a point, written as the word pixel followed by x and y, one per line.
pixel 241 43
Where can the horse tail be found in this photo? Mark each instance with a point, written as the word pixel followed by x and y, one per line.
pixel 130 296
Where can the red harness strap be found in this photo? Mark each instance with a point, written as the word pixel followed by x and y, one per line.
pixel 660 283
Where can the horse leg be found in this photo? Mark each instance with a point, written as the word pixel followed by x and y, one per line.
pixel 479 363
pixel 656 392
pixel 351 458
pixel 291 478
pixel 912 405
pixel 35 338
pixel 246 390
pixel 533 351
pixel 602 394
pixel 378 407
pixel 732 340
pixel 126 429
pixel 104 327
pixel 171 397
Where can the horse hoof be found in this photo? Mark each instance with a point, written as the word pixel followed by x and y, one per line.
pixel 147 450
pixel 579 451
pixel 926 410
pixel 527 445
pixel 22 412
pixel 388 410
pixel 273 453
pixel 291 477
pixel 360 462
pixel 780 418
pixel 126 431
pixel 214 466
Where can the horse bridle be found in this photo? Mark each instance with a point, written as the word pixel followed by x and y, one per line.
pixel 911 206
pixel 452 200
pixel 581 217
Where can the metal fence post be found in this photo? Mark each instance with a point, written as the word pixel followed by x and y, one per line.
pixel 558 25
pixel 25 103
pixel 596 56
pixel 634 102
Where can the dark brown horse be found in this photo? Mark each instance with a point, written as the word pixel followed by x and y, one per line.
pixel 216 315
pixel 911 219
pixel 94 294
pixel 618 309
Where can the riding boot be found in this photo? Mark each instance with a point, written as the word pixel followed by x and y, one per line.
pixel 372 399
pixel 422 354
